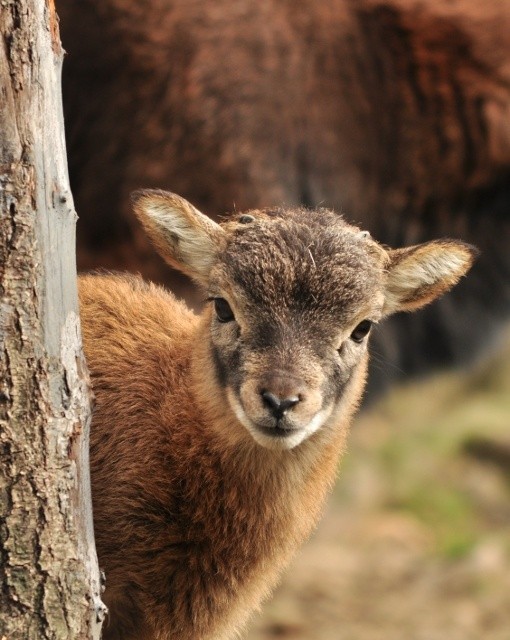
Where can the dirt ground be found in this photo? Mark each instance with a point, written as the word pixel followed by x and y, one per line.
pixel 415 541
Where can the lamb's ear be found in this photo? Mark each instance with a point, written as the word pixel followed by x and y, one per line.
pixel 184 237
pixel 419 274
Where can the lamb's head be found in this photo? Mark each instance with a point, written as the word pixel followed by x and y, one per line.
pixel 293 296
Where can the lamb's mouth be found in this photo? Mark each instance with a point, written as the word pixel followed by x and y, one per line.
pixel 281 434
pixel 278 431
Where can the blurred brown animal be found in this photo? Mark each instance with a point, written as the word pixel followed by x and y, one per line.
pixel 216 437
pixel 393 111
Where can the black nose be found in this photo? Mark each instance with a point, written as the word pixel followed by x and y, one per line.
pixel 278 406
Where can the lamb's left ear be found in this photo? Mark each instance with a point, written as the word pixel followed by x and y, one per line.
pixel 419 274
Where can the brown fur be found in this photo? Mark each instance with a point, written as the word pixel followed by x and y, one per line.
pixel 196 513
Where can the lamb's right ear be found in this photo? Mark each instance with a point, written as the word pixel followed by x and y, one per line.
pixel 184 237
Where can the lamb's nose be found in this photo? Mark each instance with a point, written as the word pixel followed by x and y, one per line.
pixel 278 406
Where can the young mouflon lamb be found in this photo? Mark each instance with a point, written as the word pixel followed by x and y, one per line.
pixel 216 438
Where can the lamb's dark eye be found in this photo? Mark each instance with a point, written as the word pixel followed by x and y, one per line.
pixel 223 310
pixel 361 331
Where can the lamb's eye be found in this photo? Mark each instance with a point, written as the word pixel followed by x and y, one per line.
pixel 361 331
pixel 223 310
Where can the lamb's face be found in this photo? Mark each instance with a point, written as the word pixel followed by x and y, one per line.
pixel 294 296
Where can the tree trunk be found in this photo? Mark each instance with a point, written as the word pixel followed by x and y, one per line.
pixel 49 579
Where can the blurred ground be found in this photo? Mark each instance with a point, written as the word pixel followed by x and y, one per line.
pixel 415 543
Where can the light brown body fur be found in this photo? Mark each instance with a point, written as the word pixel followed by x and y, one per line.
pixel 194 519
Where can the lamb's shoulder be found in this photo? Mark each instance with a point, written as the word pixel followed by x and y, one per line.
pixel 126 320
pixel 136 340
pixel 128 304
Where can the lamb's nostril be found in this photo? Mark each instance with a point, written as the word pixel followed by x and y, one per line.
pixel 278 406
pixel 270 400
pixel 288 403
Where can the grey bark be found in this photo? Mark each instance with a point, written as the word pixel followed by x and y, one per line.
pixel 49 578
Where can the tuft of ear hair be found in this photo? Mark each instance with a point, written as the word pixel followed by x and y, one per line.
pixel 185 238
pixel 419 274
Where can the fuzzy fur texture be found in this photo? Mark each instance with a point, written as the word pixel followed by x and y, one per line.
pixel 201 495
